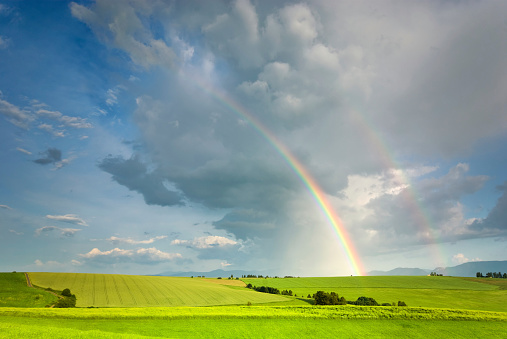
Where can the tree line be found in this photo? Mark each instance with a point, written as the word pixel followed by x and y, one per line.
pixel 492 275
pixel 323 298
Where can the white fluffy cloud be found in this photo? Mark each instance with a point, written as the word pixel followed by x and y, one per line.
pixel 210 241
pixel 141 255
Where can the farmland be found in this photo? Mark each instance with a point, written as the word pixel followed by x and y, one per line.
pixel 226 314
pixel 110 290
pixel 438 292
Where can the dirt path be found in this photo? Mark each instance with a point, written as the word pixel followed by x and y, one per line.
pixel 28 282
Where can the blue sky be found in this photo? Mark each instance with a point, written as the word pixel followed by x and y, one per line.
pixel 116 157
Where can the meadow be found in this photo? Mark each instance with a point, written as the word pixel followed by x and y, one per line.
pixel 15 292
pixel 250 321
pixel 269 316
pixel 416 291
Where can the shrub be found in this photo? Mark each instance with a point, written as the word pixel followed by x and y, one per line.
pixel 66 302
pixel 401 303
pixel 66 292
pixel 365 301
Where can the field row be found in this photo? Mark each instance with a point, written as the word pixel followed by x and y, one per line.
pixel 108 290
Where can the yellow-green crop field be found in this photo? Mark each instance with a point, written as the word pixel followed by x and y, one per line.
pixel 113 290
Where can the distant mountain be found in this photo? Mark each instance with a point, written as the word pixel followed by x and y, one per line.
pixel 468 269
pixel 401 271
pixel 212 274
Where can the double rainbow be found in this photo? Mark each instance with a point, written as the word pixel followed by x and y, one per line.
pixel 317 193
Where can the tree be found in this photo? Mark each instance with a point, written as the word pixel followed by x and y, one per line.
pixel 66 292
pixel 401 303
pixel 479 275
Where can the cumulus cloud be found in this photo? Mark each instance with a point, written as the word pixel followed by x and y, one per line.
pixel 4 42
pixel 352 91
pixel 130 241
pixel 68 218
pixel 206 242
pixel 460 258
pixel 64 232
pixel 141 255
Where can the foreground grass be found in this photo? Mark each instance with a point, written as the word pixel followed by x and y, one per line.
pixel 435 292
pixel 254 321
pixel 112 290
pixel 15 293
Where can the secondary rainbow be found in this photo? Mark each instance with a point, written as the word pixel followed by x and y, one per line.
pixel 410 195
pixel 298 168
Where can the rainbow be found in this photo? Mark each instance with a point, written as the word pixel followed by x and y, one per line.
pixel 409 194
pixel 317 193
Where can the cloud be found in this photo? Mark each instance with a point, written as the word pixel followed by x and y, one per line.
pixel 350 91
pixel 459 259
pixel 5 207
pixel 22 150
pixel 15 115
pixel 68 218
pixel 141 256
pixel 64 232
pixel 50 263
pixel 52 155
pixel 4 42
pixel 134 175
pixel 124 28
pixel 496 221
pixel 206 242
pixel 16 233
pixel 74 122
pixel 116 240
pixel 49 129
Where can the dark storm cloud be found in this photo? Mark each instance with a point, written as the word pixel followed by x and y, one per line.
pixel 134 175
pixel 496 221
pixel 51 156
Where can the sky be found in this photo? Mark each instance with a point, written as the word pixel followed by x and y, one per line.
pixel 315 138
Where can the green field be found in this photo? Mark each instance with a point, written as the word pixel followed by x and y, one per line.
pixel 112 290
pixel 456 300
pixel 422 291
pixel 253 321
pixel 15 293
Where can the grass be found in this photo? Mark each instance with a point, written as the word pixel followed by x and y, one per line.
pixel 254 321
pixel 437 292
pixel 110 290
pixel 15 293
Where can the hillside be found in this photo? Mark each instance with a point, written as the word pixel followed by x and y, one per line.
pixel 427 291
pixel 111 290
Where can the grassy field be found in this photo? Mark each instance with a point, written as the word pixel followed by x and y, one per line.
pixel 254 321
pixel 111 290
pixel 438 292
pixel 15 293
pixel 283 318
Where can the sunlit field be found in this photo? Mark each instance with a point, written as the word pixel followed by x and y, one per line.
pixel 111 290
pixel 278 317
pixel 422 291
